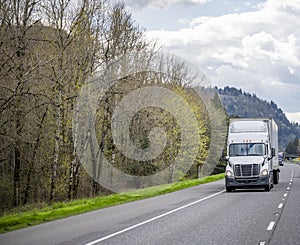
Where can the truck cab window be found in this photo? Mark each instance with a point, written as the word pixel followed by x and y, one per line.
pixel 247 149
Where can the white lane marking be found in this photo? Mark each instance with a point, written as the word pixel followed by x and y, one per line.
pixel 262 243
pixel 288 188
pixel 152 219
pixel 285 194
pixel 271 225
pixel 280 205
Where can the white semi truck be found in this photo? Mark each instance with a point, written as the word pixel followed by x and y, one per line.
pixel 252 154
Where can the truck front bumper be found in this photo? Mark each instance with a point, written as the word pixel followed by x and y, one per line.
pixel 237 183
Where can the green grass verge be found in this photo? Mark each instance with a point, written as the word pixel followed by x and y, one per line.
pixel 17 220
pixel 297 160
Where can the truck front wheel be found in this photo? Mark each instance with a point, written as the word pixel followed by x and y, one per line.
pixel 267 188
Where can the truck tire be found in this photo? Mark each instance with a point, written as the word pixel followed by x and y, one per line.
pixel 229 189
pixel 267 188
pixel 275 177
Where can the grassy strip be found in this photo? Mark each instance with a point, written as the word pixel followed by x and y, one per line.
pixel 297 160
pixel 60 210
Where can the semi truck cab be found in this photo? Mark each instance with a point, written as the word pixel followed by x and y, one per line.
pixel 252 150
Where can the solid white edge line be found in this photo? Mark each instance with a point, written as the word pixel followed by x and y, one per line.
pixel 152 219
pixel 271 225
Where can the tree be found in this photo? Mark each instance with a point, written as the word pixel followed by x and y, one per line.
pixel 48 49
pixel 18 99
pixel 293 147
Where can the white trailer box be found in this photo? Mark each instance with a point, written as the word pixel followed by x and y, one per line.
pixel 252 154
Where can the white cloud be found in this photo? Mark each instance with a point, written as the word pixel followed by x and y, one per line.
pixel 293 117
pixel 257 51
pixel 288 6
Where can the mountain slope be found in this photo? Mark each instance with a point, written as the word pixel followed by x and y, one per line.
pixel 241 104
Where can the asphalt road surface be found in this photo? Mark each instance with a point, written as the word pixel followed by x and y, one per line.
pixel 204 214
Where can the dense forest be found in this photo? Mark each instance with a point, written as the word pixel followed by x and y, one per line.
pixel 293 147
pixel 242 104
pixel 49 51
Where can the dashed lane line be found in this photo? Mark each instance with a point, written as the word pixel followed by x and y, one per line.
pixel 271 226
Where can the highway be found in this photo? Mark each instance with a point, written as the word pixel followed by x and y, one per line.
pixel 205 214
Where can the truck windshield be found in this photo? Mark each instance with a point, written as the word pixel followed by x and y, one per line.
pixel 247 149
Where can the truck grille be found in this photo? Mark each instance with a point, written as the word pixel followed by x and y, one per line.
pixel 246 170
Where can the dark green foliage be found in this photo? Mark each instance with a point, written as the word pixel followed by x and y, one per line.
pixel 293 147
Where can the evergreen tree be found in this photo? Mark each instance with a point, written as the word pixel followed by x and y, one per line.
pixel 293 147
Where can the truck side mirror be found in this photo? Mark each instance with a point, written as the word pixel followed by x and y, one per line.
pixel 273 151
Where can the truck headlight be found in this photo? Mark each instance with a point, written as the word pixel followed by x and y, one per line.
pixel 264 172
pixel 228 173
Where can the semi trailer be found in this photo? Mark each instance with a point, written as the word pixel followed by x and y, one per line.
pixel 252 154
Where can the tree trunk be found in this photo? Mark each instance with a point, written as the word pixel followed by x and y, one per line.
pixel 17 167
pixel 27 189
pixel 76 180
pixel 57 146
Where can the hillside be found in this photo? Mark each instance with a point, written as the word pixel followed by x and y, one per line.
pixel 242 104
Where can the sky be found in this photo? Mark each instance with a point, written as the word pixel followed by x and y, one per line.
pixel 252 45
